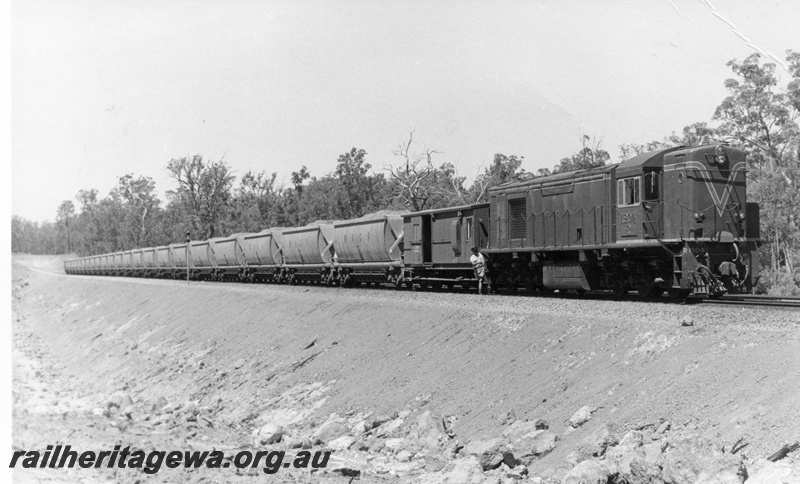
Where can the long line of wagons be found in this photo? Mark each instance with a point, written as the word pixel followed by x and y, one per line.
pixel 674 220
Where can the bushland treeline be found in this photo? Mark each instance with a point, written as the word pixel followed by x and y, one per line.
pixel 207 200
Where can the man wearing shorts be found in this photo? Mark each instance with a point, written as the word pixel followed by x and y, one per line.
pixel 479 268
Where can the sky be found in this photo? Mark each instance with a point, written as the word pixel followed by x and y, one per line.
pixel 101 89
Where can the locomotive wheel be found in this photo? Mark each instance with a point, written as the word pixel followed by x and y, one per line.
pixel 292 280
pixel 620 287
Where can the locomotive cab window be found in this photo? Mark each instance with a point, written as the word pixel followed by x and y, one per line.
pixel 628 192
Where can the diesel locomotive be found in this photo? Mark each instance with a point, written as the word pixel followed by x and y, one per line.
pixel 675 220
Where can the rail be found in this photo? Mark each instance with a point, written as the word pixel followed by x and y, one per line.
pixel 755 300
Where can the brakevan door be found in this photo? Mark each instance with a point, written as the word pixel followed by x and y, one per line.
pixel 469 231
pixel 427 236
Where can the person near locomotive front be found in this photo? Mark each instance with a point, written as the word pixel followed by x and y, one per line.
pixel 479 268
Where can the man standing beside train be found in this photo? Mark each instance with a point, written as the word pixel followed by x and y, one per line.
pixel 479 268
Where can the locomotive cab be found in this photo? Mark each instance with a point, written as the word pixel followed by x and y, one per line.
pixel 640 208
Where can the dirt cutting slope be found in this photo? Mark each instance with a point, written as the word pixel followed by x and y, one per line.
pixel 246 355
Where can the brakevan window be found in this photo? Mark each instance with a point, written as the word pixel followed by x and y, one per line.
pixel 628 192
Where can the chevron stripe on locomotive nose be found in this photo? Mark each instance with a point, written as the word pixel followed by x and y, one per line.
pixel 719 201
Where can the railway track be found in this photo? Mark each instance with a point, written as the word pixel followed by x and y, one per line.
pixel 756 300
pixel 753 300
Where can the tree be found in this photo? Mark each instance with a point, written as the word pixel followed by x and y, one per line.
pixel 757 116
pixel 504 169
pixel 256 203
pixel 418 184
pixel 591 155
pixel 140 203
pixel 764 120
pixel 66 211
pixel 359 191
pixel 203 193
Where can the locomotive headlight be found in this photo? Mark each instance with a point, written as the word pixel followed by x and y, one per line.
pixel 741 216
pixel 722 156
pixel 699 217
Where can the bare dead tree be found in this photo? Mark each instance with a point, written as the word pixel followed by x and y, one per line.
pixel 414 175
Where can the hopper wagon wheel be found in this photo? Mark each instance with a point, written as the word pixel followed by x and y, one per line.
pixel 644 286
pixel 436 286
pixel 530 284
pixel 466 286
